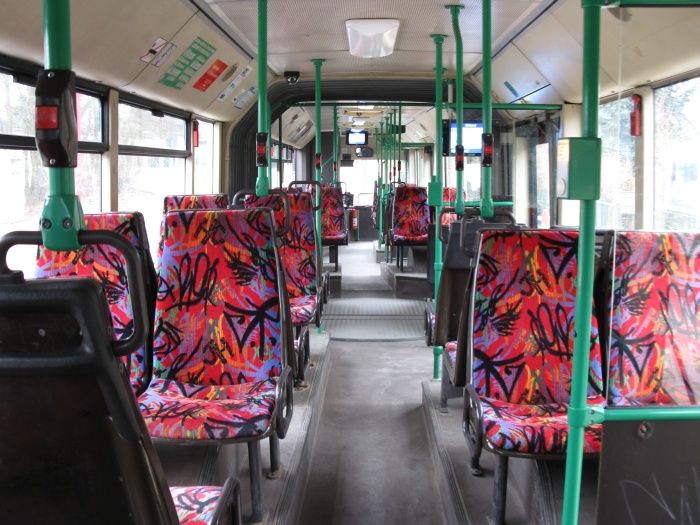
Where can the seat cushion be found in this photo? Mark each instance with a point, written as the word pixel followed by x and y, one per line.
pixel 534 429
pixel 195 505
pixel 175 410
pixel 303 309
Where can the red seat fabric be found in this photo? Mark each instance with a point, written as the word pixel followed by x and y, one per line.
pixel 654 320
pixel 411 216
pixel 333 228
pixel 219 342
pixel 449 195
pixel 195 505
pixel 523 330
pixel 106 264
pixel 207 201
pixel 451 351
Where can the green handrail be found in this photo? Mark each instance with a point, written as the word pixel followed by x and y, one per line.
pixel 435 188
pixel 486 199
pixel 262 184
pixel 459 99
pixel 62 216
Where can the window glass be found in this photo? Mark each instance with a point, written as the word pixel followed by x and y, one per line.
pixel 143 184
pixel 677 135
pixel 616 205
pixel 16 107
pixel 139 127
pixel 204 160
pixel 89 114
pixel 25 188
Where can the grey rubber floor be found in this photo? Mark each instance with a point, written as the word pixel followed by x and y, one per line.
pixel 374 319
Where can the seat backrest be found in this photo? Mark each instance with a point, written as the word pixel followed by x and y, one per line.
pixel 332 213
pixel 654 319
pixel 411 215
pixel 222 313
pixel 74 447
pixel 207 201
pixel 298 248
pixel 106 264
pixel 523 317
pixel 191 202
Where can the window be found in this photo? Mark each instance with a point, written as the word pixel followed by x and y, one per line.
pixel 204 160
pixel 151 163
pixel 148 129
pixel 677 135
pixel 616 205
pixel 25 179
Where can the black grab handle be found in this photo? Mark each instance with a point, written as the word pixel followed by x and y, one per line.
pixel 307 183
pixel 136 282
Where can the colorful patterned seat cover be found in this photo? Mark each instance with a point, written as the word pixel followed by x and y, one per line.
pixel 297 251
pixel 411 215
pixel 206 201
pixel 333 228
pixel 523 330
pixel 218 345
pixel 654 319
pixel 106 264
pixel 449 196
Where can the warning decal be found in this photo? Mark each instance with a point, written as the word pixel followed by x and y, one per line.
pixel 208 78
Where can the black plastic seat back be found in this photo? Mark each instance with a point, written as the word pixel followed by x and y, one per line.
pixel 73 447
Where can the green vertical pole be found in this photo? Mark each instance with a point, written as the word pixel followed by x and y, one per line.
pixel 487 106
pixel 399 148
pixel 380 187
pixel 268 129
pixel 459 99
pixel 336 137
pixel 262 185
pixel 281 164
pixel 387 172
pixel 62 217
pixel 318 62
pixel 586 251
pixel 436 184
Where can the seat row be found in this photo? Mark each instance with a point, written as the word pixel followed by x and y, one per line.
pixel 221 359
pixel 505 321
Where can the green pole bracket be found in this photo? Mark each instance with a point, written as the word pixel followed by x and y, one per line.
pixel 437 354
pixel 62 217
pixel 459 98
pixel 585 416
pixel 262 184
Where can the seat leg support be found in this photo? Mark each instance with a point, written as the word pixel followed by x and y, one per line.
pixel 274 456
pixel 255 480
pixel 500 490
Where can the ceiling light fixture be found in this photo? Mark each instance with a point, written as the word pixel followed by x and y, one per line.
pixel 371 37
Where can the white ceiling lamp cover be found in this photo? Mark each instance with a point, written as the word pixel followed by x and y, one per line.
pixel 372 38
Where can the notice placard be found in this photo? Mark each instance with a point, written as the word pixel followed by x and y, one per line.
pixel 187 64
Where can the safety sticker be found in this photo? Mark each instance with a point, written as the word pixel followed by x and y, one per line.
pixel 163 55
pixel 243 97
pixel 208 78
pixel 235 82
pixel 155 48
pixel 187 64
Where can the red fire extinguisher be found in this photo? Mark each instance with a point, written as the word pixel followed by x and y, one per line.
pixel 353 218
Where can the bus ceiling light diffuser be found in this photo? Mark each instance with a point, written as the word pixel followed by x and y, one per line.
pixel 372 38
